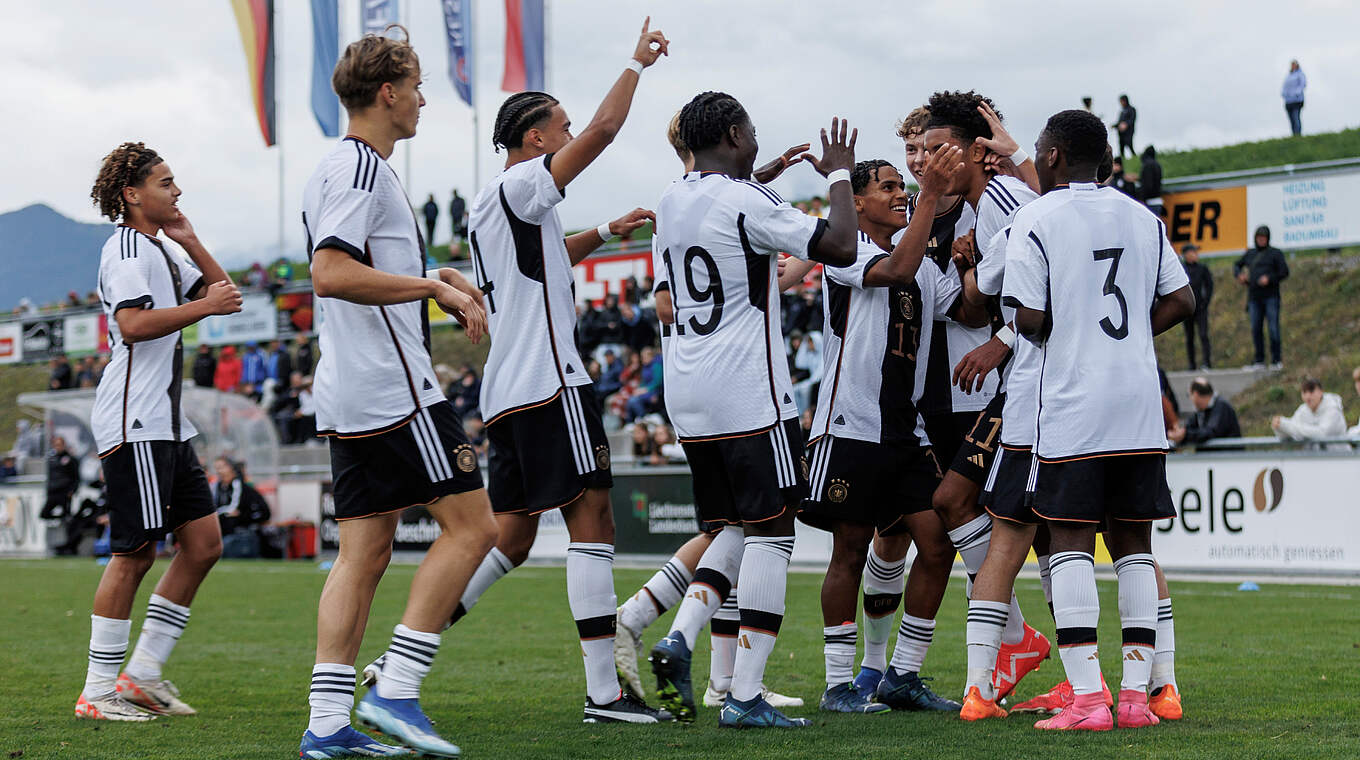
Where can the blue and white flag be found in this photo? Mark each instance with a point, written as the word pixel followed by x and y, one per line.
pixel 325 52
pixel 376 15
pixel 458 26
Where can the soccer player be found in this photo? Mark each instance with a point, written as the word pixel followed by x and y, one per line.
pixel 727 385
pixel 548 445
pixel 872 467
pixel 959 119
pixel 1093 278
pixel 395 441
pixel 155 482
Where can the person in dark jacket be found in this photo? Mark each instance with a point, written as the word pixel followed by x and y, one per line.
pixel 239 505
pixel 1128 116
pixel 278 365
pixel 303 361
pixel 1262 269
pixel 431 210
pixel 457 212
pixel 1150 181
pixel 63 478
pixel 1202 285
pixel 1213 417
pixel 205 366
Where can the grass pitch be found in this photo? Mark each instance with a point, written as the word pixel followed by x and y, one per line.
pixel 1270 674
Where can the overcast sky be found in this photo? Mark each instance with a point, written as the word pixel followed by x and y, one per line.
pixel 83 76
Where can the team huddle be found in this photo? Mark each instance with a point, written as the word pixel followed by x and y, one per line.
pixel 990 388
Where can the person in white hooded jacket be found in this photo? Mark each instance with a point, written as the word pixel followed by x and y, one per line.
pixel 1319 416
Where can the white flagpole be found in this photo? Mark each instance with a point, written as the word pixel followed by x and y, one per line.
pixel 278 116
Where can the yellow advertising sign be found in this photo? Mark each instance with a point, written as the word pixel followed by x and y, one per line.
pixel 1214 220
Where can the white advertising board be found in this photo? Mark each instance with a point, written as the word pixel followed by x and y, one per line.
pixel 1307 212
pixel 22 532
pixel 255 322
pixel 11 343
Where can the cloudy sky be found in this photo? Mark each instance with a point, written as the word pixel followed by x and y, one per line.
pixel 84 76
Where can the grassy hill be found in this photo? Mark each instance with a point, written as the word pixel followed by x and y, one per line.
pixel 1319 322
pixel 1256 155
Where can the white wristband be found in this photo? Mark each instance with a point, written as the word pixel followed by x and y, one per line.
pixel 840 175
pixel 604 233
pixel 635 65
pixel 1019 156
pixel 1006 335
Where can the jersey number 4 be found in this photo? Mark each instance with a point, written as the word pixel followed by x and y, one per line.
pixel 479 269
pixel 1122 331
pixel 712 291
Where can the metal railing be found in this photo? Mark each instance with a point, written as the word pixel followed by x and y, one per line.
pixel 1311 168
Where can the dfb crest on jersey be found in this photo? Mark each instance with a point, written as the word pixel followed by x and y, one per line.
pixel 466 458
pixel 602 457
pixel 906 306
pixel 838 491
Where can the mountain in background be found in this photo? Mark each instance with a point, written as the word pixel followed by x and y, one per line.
pixel 45 255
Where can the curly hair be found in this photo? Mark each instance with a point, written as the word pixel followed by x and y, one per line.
pixel 673 137
pixel 128 165
pixel 706 119
pixel 914 123
pixel 958 112
pixel 520 113
pixel 866 172
pixel 369 63
pixel 1080 135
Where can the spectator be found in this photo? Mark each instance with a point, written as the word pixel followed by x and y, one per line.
pixel 647 399
pixel 1128 117
pixel 1119 180
pixel 664 448
pixel 1354 432
pixel 61 377
pixel 1262 269
pixel 284 409
pixel 1319 416
pixel 227 376
pixel 647 299
pixel 457 216
pixel 85 375
pixel 256 277
pixel 1150 181
pixel 466 393
pixel 642 442
pixel 815 207
pixel 305 430
pixel 253 366
pixel 611 371
pixel 239 505
pixel 63 478
pixel 1292 92
pixel 303 361
pixel 1086 103
pixel 638 329
pixel 205 366
pixel 283 271
pixel 796 373
pixel 1213 418
pixel 278 365
pixel 610 323
pixel 805 422
pixel 73 300
pixel 1202 285
pixel 431 210
pixel 92 298
pixel 27 440
pixel 9 468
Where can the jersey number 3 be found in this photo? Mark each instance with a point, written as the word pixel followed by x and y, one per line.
pixel 1122 331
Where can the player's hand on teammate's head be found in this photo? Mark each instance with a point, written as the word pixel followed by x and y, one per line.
pixel 222 297
pixel 651 45
pixel 1001 142
pixel 769 172
pixel 838 149
pixel 999 164
pixel 463 308
pixel 631 221
pixel 941 169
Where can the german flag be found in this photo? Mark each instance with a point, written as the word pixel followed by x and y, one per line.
pixel 256 21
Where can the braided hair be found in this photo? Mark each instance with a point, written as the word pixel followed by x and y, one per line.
pixel 128 165
pixel 866 172
pixel 520 113
pixel 958 112
pixel 1080 135
pixel 706 120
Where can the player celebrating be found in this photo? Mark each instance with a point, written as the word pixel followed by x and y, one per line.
pixel 395 439
pixel 548 445
pixel 1093 279
pixel 871 464
pixel 155 483
pixel 727 384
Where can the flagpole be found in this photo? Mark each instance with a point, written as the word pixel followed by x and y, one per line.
pixel 472 82
pixel 406 180
pixel 278 120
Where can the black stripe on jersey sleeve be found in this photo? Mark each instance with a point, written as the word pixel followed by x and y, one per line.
pixel 662 287
pixel 140 302
pixel 1001 203
pixel 1037 242
pixel 767 192
pixel 547 166
pixel 335 242
pixel 358 163
pixel 999 185
pixel 873 261
pixel 197 286
pixel 815 239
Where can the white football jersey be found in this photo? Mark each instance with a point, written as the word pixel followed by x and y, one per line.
pixel 951 341
pixel 726 370
pixel 875 373
pixel 1096 260
pixel 375 370
pixel 138 397
pixel 519 253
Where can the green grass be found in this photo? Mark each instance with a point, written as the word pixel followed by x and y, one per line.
pixel 1271 674
pixel 1256 155
pixel 1319 319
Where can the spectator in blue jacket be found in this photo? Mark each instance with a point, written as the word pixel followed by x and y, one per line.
pixel 253 367
pixel 1292 92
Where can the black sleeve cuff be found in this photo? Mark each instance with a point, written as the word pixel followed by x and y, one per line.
pixel 662 287
pixel 140 302
pixel 195 289
pixel 815 239
pixel 1014 303
pixel 871 264
pixel 547 166
pixel 337 243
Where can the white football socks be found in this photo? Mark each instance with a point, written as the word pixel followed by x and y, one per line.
pixel 718 571
pixel 331 698
pixel 108 647
pixel 590 593
pixel 1164 659
pixel 913 641
pixel 1138 616
pixel 657 595
pixel 971 541
pixel 409 659
pixel 986 620
pixel 1076 609
pixel 764 573
pixel 494 567
pixel 883 585
pixel 838 646
pixel 164 624
pixel 723 632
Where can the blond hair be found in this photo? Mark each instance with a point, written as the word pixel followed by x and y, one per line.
pixel 369 63
pixel 914 123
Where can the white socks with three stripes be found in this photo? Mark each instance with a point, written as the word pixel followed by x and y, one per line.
pixel 590 594
pixel 108 647
pixel 331 697
pixel 657 595
pixel 409 659
pixel 164 624
pixel 764 577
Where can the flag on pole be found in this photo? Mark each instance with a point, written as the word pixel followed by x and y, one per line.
pixel 376 15
pixel 255 18
pixel 523 46
pixel 458 25
pixel 325 53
